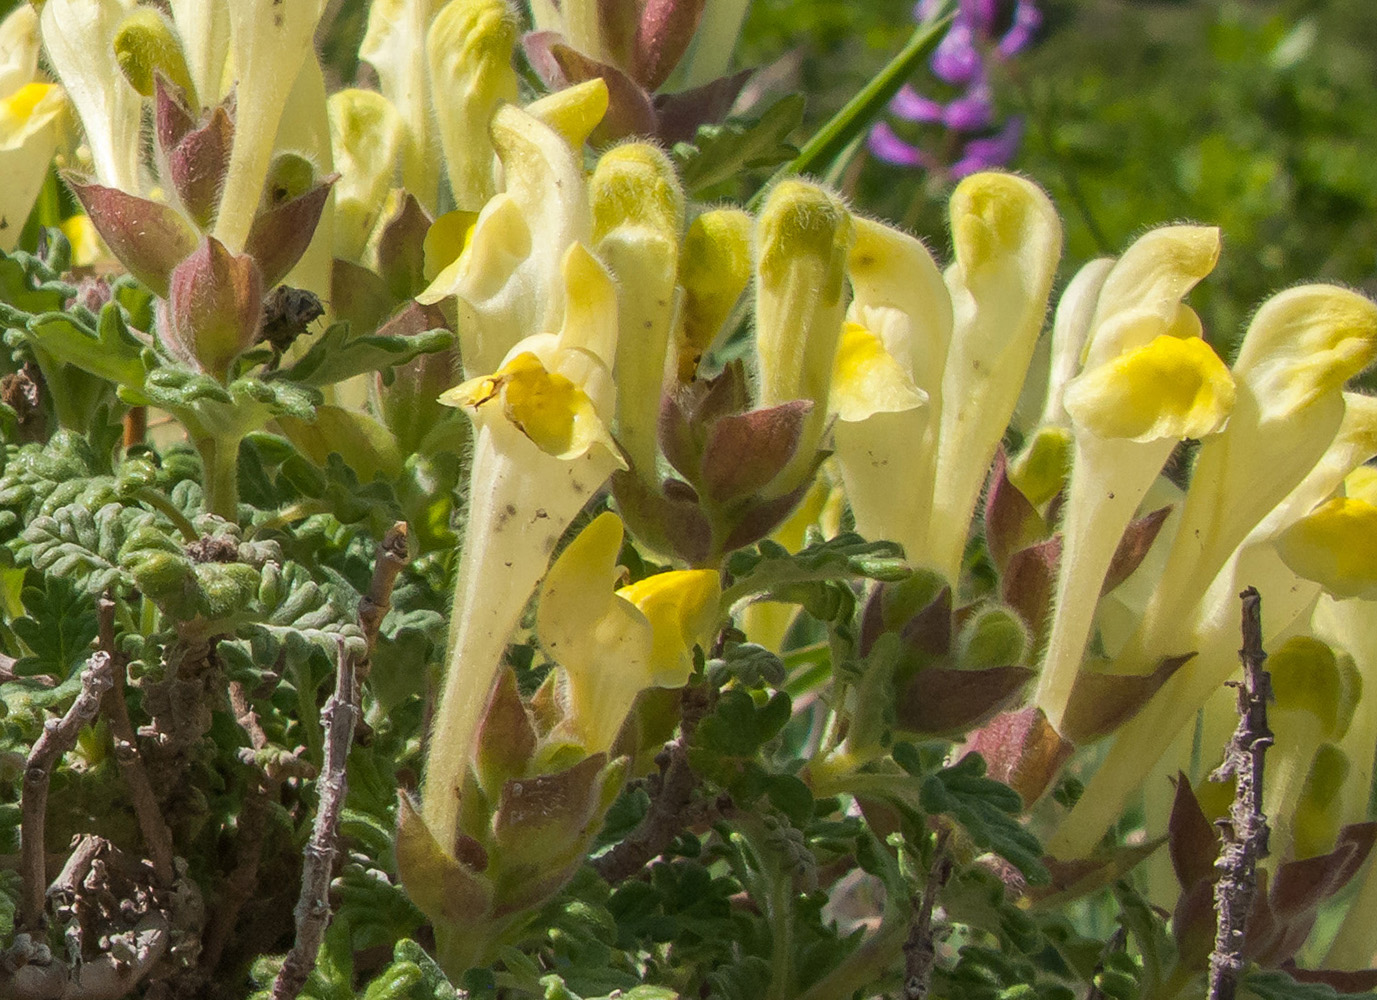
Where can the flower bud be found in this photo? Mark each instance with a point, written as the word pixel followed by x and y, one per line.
pixel 146 47
pixel 213 307
pixel 803 236
pixel 638 212
pixel 714 270
pixel 469 46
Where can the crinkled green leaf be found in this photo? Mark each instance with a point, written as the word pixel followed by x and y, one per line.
pixel 719 153
pixel 336 356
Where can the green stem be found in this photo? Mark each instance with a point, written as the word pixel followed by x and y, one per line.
pixel 831 140
pixel 169 510
pixel 220 462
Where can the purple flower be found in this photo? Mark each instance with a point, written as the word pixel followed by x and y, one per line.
pixel 887 146
pixel 989 151
pixel 982 30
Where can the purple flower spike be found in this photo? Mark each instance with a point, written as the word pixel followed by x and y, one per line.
pixel 994 151
pixel 970 112
pixel 887 146
pixel 1027 18
pixel 912 106
pixel 957 61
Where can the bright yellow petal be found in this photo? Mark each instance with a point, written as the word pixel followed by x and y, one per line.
pixel 1171 388
pixel 1336 546
pixel 547 407
pixel 868 380
pixel 682 606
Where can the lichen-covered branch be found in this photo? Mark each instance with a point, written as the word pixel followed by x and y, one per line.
pixel 1245 831
pixel 58 736
pixel 340 715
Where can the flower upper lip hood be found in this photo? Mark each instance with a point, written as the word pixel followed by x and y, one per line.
pixel 506 280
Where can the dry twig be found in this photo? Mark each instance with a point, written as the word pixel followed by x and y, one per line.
pixel 672 809
pixel 1244 833
pixel 339 716
pixel 58 736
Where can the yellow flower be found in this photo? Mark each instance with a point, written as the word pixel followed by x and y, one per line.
pixel 542 449
pixel 29 117
pixel 1148 382
pixel 612 645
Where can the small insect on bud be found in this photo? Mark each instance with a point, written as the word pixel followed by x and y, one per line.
pixel 287 312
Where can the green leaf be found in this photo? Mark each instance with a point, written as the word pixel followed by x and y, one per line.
pixel 58 629
pixel 738 727
pixel 719 153
pixel 337 356
pixel 105 347
pixel 989 812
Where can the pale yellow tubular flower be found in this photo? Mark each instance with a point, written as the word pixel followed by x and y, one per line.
pixel 1007 239
pixel 803 236
pixel 574 111
pixel 1351 625
pixel 79 37
pixel 714 270
pixel 900 297
pixel 613 645
pixel 541 450
pixel 1139 744
pixel 507 280
pixel 1040 469
pixel 305 131
pixel 1300 349
pixel 395 46
pixel 638 215
pixel 29 119
pixel 469 50
pixel 365 139
pixel 204 28
pixel 269 42
pixel 1148 383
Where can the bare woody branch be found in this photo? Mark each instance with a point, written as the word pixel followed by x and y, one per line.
pixel 672 809
pixel 1244 833
pixel 340 715
pixel 58 736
